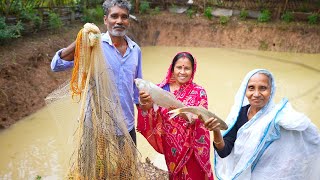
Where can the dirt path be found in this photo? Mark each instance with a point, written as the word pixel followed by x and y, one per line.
pixel 26 78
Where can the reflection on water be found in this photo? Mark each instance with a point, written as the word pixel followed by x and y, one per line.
pixel 41 145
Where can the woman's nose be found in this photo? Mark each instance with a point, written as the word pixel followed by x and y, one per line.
pixel 182 70
pixel 256 93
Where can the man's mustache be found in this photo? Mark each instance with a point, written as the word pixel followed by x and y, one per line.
pixel 119 26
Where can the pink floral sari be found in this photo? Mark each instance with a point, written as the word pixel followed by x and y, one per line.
pixel 186 146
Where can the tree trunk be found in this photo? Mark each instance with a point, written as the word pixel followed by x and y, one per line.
pixel 136 7
pixel 285 6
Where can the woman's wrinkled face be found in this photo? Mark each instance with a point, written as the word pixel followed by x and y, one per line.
pixel 182 70
pixel 258 90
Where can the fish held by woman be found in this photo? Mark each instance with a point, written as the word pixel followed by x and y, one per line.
pixel 159 96
pixel 198 110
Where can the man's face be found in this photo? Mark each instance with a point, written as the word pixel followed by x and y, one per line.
pixel 117 21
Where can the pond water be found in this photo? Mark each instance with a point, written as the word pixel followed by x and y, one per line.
pixel 41 144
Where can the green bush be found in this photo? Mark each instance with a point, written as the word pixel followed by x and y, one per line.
pixel 190 13
pixel 30 15
pixel 313 19
pixel 37 22
pixel 287 16
pixel 93 15
pixel 303 8
pixel 207 12
pixel 265 16
pixel 224 20
pixel 55 22
pixel 87 17
pixel 155 11
pixel 244 14
pixel 9 32
pixel 144 7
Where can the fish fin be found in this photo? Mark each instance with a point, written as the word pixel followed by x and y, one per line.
pixel 173 113
pixel 190 117
pixel 176 112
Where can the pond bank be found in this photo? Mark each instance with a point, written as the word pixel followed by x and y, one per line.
pixel 168 29
pixel 26 78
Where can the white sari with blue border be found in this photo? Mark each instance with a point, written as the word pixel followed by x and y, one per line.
pixel 277 143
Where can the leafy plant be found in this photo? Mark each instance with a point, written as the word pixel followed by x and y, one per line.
pixel 173 7
pixel 313 19
pixel 287 16
pixel 93 15
pixel 55 22
pixel 303 8
pixel 224 20
pixel 265 16
pixel 9 32
pixel 190 13
pixel 207 12
pixel 144 7
pixel 155 11
pixel 30 15
pixel 37 22
pixel 244 14
pixel 219 3
pixel 38 177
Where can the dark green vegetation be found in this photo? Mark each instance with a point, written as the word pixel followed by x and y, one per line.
pixel 19 17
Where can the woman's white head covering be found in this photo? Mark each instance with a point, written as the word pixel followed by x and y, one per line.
pixel 241 100
pixel 277 142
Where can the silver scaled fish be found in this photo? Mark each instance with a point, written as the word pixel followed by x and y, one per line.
pixel 159 96
pixel 198 110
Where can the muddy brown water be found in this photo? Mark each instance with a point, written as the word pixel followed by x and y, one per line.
pixel 41 144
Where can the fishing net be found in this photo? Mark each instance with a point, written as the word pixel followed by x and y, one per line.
pixel 104 148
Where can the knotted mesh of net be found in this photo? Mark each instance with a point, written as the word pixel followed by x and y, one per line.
pixel 104 148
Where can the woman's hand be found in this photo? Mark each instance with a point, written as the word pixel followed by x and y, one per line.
pixel 144 97
pixel 145 100
pixel 212 124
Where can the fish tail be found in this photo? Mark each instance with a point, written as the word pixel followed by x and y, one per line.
pixel 174 113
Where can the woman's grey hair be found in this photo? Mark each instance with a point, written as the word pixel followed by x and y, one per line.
pixel 111 3
pixel 268 75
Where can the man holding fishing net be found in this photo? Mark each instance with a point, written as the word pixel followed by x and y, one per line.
pixel 122 55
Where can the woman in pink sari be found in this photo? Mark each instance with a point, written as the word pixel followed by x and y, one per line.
pixel 186 146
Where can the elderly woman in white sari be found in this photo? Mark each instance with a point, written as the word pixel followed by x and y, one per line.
pixel 265 140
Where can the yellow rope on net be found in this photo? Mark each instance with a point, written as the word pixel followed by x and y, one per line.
pixel 104 148
pixel 76 87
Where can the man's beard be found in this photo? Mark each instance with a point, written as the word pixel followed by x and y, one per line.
pixel 115 32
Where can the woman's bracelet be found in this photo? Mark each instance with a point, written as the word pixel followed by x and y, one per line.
pixel 216 143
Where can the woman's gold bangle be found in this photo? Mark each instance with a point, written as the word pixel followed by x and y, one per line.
pixel 216 143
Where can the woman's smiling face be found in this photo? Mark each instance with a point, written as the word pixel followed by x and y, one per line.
pixel 258 90
pixel 182 70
